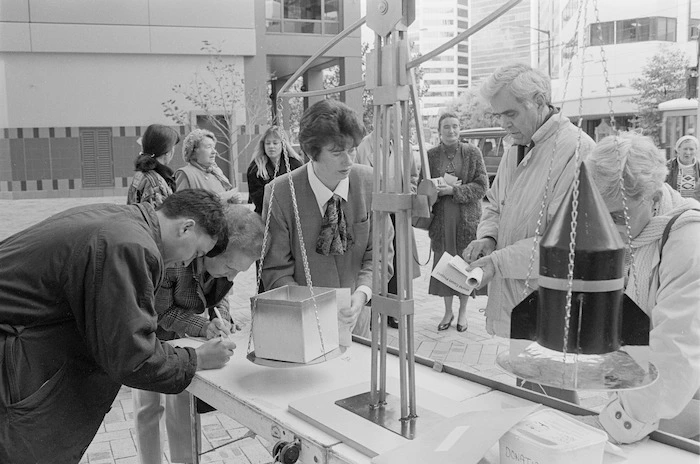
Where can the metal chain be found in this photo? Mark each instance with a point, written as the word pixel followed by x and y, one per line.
pixel 266 234
pixel 295 207
pixel 574 205
pixel 545 196
pixel 606 74
pixel 625 208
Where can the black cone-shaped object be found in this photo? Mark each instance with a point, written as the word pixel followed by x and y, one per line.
pixel 598 276
pixel 594 330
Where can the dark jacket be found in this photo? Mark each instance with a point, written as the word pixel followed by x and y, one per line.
pixel 468 196
pixel 256 184
pixel 77 320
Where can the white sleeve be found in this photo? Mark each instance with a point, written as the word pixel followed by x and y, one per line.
pixel 674 340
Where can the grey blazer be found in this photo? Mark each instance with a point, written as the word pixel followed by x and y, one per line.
pixel 283 263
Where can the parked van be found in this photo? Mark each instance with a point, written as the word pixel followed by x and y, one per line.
pixel 492 143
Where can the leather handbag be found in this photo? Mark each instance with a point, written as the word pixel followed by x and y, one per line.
pixel 422 211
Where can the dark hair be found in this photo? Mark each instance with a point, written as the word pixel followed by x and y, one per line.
pixel 205 208
pixel 329 122
pixel 245 230
pixel 156 141
pixel 445 115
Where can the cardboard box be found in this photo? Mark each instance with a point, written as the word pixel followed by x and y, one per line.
pixel 285 327
pixel 550 437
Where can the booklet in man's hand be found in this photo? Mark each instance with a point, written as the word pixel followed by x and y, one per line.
pixel 452 271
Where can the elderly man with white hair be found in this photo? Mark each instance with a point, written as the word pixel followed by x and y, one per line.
pixel 542 156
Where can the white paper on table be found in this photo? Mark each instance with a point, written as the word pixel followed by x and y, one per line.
pixel 462 439
pixel 452 271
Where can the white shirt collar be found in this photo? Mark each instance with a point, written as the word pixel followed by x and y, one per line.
pixel 323 193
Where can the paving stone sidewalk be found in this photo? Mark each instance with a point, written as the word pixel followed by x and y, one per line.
pixel 474 351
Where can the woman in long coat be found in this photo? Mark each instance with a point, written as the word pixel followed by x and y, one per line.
pixel 458 207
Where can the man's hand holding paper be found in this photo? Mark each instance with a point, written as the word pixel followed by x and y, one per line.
pixel 454 272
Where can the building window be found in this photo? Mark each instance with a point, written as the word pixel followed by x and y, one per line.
pixel 438 70
pixel 462 13
pixel 462 25
pixel 96 157
pixel 303 16
pixel 463 2
pixel 569 10
pixel 663 29
pixel 439 94
pixel 694 29
pixel 462 60
pixel 463 48
pixel 600 34
pixel 632 30
pixel 442 58
pixel 440 82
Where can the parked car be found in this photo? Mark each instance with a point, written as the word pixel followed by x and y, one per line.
pixel 492 143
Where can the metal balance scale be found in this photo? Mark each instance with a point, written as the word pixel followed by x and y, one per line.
pixel 580 282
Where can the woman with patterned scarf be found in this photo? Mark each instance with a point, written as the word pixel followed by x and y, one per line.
pixel 664 282
pixel 154 181
pixel 201 171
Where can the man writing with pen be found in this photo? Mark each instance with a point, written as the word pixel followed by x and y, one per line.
pixel 191 301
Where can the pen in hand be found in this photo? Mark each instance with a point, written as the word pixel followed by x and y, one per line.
pixel 218 315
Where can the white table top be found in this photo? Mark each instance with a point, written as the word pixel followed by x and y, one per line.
pixel 258 397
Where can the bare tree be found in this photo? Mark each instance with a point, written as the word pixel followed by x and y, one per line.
pixel 219 93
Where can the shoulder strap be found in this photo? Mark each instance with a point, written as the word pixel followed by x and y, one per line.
pixel 667 230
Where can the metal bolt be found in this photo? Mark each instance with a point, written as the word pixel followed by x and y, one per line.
pixel 383 7
pixel 275 432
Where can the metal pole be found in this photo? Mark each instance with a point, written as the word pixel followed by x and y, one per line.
pixel 549 54
pixel 697 92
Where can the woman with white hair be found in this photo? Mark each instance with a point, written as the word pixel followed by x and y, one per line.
pixel 665 283
pixel 684 169
pixel 201 170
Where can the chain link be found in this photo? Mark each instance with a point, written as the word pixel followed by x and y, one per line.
pixel 545 196
pixel 574 206
pixel 295 207
pixel 625 208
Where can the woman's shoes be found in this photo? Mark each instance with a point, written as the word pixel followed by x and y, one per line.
pixel 446 325
pixel 462 328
